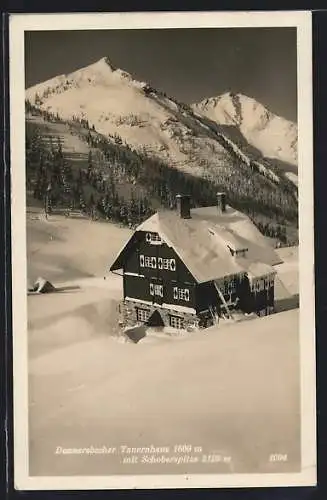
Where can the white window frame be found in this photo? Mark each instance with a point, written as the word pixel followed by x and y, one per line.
pixel 181 294
pixel 152 262
pixel 149 261
pixel 158 290
pixel 184 294
pixel 153 238
pixel 176 322
pixel 231 286
pixel 165 264
pixel 142 314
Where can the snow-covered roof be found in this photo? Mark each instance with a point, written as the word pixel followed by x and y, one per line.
pixel 255 269
pixel 202 242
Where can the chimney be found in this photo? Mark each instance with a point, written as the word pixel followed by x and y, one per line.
pixel 184 205
pixel 221 202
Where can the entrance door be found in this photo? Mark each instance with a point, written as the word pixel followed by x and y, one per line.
pixel 155 319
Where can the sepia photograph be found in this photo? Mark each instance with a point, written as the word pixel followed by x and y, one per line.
pixel 162 234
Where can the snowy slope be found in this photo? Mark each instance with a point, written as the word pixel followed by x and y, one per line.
pixel 116 104
pixel 220 388
pixel 104 96
pixel 273 135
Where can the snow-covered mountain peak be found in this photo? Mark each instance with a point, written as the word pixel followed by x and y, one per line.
pixel 273 135
pixel 100 73
pixel 234 109
pixel 114 104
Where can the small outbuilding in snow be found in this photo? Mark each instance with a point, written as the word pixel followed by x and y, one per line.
pixel 42 285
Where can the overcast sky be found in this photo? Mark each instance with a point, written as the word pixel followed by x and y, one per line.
pixel 189 64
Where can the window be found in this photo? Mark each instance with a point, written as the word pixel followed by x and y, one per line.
pixel 176 322
pixel 156 290
pixel 230 286
pixel 269 282
pixel 167 264
pixel 142 314
pixel 153 238
pixel 256 286
pixel 181 293
pixel 146 261
pixel 184 294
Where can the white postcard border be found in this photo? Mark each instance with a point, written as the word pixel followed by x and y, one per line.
pixel 19 23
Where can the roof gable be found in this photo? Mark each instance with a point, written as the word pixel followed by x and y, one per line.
pixel 127 248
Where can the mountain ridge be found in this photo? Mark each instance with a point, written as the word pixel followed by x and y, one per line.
pixel 274 136
pixel 190 152
pixel 115 103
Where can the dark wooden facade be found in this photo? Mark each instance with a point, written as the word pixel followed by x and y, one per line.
pixel 156 279
pixel 155 263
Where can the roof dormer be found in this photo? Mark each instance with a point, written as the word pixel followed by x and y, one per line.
pixel 237 252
